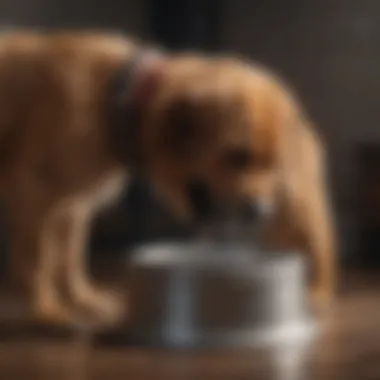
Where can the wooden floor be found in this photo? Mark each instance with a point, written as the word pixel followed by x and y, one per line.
pixel 348 349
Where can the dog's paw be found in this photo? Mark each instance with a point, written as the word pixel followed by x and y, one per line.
pixel 104 307
pixel 54 314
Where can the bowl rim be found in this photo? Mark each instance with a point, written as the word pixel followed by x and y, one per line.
pixel 192 255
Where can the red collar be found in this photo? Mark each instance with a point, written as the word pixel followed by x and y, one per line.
pixel 138 79
pixel 132 89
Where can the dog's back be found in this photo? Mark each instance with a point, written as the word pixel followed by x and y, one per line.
pixel 51 87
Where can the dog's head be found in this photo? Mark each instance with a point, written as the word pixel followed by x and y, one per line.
pixel 212 138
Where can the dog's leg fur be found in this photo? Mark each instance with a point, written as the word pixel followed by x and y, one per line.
pixel 81 291
pixel 319 239
pixel 315 218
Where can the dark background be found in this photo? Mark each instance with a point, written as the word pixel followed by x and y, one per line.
pixel 329 50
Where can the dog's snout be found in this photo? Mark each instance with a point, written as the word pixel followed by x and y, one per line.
pixel 254 210
pixel 200 199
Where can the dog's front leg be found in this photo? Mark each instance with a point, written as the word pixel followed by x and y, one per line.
pixel 310 208
pixel 320 243
pixel 83 293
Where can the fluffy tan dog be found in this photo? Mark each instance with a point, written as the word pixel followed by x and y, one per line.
pixel 225 139
pixel 215 136
pixel 67 147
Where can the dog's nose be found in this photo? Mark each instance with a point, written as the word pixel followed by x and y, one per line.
pixel 200 198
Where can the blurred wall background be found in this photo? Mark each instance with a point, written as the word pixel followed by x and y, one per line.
pixel 329 51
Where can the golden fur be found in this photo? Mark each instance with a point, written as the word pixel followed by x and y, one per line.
pixel 211 107
pixel 58 166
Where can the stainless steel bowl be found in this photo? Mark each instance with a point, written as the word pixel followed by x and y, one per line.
pixel 204 294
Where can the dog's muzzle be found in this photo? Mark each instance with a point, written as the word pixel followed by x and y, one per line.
pixel 206 208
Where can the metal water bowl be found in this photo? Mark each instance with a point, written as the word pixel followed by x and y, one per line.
pixel 193 295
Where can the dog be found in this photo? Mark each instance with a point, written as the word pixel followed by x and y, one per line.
pixel 226 138
pixel 81 112
pixel 67 148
